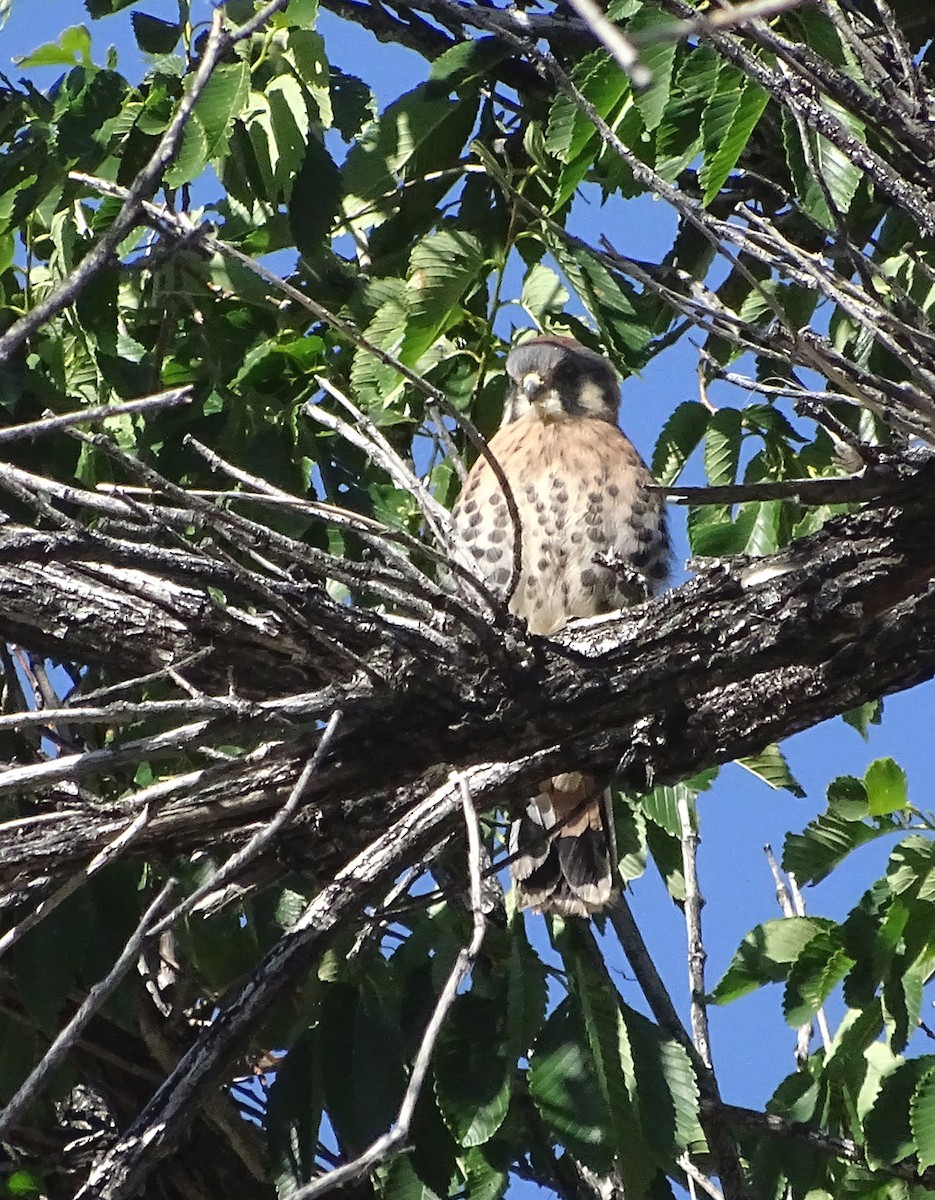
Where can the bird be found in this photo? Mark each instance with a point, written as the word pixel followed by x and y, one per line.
pixel 593 538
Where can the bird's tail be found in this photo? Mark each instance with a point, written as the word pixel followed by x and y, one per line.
pixel 564 850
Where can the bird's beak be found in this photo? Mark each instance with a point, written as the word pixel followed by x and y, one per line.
pixel 531 385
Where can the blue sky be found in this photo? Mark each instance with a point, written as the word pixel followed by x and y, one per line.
pixel 752 1045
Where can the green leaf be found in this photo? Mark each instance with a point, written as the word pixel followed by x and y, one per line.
pixel 825 842
pixel 770 765
pixel 612 304
pixel 306 49
pixel 612 1055
pixel 223 98
pixel 661 805
pixel 847 798
pixel 563 1086
pixel 482 1180
pixel 402 1183
pixel 722 446
pixel 527 993
pixel 466 61
pixel 922 1119
pixel 678 137
pixel 728 122
pixel 766 955
pixel 293 1115
pixel 74 46
pixel 665 1087
pixel 888 1132
pixel 865 715
pixel 658 55
pixel 153 35
pixel 821 965
pixel 360 1059
pixel 825 170
pixel 472 1074
pixel 442 267
pixel 600 80
pixel 543 292
pixel 885 781
pixel 192 156
pixel 911 868
pixel 315 198
pixel 680 437
pixel 417 133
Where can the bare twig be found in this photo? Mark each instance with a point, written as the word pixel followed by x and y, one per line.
pixel 109 854
pixel 833 1145
pixel 696 951
pixel 385 1146
pixel 803 1035
pixel 699 1179
pixel 101 412
pixel 614 41
pixel 96 997
pixel 235 864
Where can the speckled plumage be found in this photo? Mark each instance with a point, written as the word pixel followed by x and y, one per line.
pixel 581 494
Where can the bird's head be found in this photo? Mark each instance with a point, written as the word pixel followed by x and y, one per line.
pixel 558 377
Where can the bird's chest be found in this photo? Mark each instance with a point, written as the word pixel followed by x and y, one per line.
pixel 566 517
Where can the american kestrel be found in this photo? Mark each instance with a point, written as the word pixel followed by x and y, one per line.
pixel 593 538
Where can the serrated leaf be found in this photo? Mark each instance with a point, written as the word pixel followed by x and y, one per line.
pixel 402 1183
pixel 612 1054
pixel 666 1088
pixel 657 54
pixel 192 156
pixel 722 446
pixel 821 965
pixel 223 97
pixel 661 806
pixel 543 292
pixel 680 437
pixel 887 1128
pixel 678 137
pixel 527 993
pixel 482 1180
pixel 611 302
pixel 468 60
pixel 911 868
pixel 418 132
pixel 735 111
pixel 887 792
pixel 770 765
pixel 865 715
pixel 472 1074
pixel 766 955
pixel 825 842
pixel 315 198
pixel 442 267
pixel 73 46
pixel 153 35
pixel 293 1115
pixel 922 1119
pixel 563 1087
pixel 847 798
pixel 600 80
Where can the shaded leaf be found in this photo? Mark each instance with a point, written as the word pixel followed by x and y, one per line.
pixel 680 437
pixel 770 765
pixel 766 955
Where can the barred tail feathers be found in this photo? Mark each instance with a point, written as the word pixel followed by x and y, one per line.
pixel 571 869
